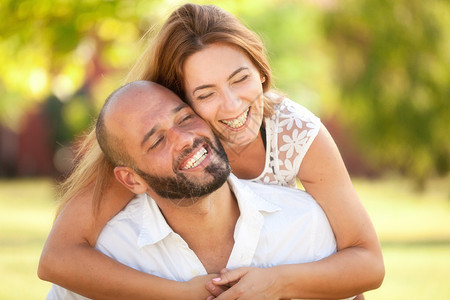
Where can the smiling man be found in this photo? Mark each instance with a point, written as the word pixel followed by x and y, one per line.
pixel 156 137
pixel 190 216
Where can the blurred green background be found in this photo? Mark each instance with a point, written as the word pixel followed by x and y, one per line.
pixel 376 72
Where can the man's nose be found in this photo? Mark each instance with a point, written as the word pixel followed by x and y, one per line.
pixel 180 138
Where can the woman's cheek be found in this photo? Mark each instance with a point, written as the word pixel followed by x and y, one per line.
pixel 206 111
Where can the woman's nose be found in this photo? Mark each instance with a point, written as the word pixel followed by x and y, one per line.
pixel 230 101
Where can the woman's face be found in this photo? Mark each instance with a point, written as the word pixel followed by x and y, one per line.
pixel 225 89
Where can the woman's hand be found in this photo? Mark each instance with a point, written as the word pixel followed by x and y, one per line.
pixel 196 287
pixel 246 283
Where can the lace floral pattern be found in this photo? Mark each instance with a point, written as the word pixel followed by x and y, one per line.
pixel 290 132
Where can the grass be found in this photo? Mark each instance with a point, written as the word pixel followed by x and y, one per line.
pixel 26 214
pixel 414 229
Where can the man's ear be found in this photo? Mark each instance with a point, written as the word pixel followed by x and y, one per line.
pixel 130 180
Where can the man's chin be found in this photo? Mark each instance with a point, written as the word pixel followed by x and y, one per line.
pixel 194 187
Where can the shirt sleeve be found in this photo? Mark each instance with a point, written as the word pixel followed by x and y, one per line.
pixel 295 128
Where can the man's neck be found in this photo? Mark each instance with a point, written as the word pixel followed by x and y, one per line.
pixel 207 226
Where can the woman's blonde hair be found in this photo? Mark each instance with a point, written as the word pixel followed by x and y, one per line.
pixel 188 30
pixel 92 171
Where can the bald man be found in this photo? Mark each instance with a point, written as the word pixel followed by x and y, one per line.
pixel 191 216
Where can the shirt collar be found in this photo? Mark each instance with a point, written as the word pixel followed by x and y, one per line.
pixel 154 227
pixel 248 198
pixel 253 210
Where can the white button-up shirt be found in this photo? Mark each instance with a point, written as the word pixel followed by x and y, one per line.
pixel 277 225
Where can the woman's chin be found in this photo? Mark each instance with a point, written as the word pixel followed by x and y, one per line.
pixel 238 141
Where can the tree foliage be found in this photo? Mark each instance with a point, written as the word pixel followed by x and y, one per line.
pixel 63 49
pixel 383 67
pixel 392 66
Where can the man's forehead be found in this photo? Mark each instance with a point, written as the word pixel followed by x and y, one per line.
pixel 136 98
pixel 142 107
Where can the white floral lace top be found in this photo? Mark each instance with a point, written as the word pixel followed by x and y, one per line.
pixel 290 132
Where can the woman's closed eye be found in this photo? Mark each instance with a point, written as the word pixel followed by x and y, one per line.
pixel 205 96
pixel 243 78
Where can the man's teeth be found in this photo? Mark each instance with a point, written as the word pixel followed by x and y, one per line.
pixel 196 159
pixel 238 122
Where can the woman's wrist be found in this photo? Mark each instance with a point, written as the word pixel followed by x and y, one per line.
pixel 284 284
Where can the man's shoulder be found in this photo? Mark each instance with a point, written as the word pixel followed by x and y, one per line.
pixel 140 223
pixel 262 189
pixel 129 220
pixel 132 210
pixel 281 196
pixel 298 220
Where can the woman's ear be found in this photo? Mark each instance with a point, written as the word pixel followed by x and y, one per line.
pixel 132 181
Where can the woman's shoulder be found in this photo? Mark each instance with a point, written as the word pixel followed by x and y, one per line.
pixel 288 111
pixel 292 109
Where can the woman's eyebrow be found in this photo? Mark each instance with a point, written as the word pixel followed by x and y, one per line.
pixel 205 86
pixel 237 71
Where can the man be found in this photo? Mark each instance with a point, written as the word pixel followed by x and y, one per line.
pixel 191 217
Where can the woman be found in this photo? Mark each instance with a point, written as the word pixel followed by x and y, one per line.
pixel 218 66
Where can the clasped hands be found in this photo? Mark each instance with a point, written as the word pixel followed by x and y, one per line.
pixel 245 283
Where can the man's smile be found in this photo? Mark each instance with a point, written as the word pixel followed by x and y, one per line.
pixel 195 160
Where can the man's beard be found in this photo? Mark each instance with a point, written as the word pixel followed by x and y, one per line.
pixel 180 188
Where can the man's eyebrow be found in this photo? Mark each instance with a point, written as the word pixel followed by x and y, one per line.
pixel 179 107
pixel 155 128
pixel 210 85
pixel 149 134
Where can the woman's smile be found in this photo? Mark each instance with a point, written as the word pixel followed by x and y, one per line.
pixel 239 122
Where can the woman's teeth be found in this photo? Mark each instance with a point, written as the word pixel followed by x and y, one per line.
pixel 238 122
pixel 196 159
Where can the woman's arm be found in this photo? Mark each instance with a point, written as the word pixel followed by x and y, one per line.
pixel 69 259
pixel 356 267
